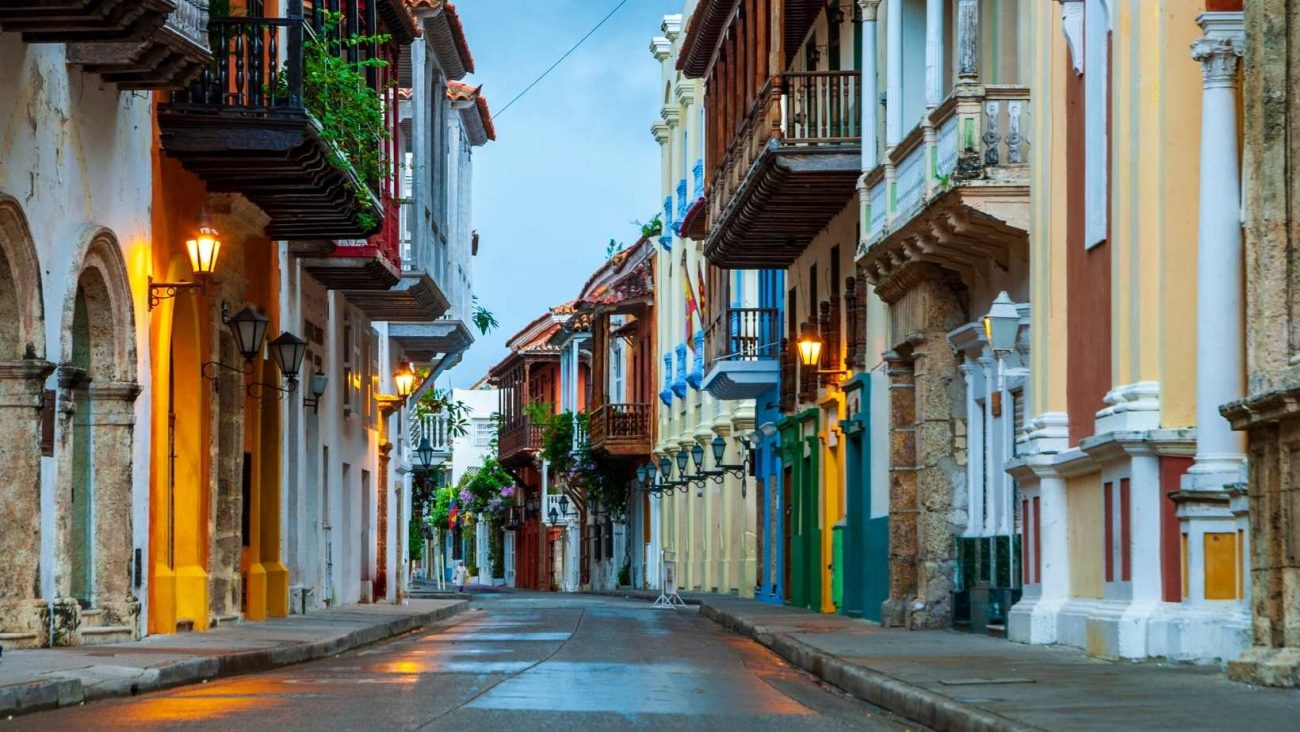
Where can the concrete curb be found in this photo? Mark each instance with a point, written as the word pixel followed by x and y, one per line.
pixel 64 691
pixel 915 703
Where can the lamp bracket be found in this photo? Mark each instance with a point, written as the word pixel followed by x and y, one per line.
pixel 212 371
pixel 159 291
pixel 389 403
pixel 259 389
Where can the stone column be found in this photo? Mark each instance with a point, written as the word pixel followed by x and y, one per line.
pixel 903 508
pixel 933 53
pixel 112 427
pixel 893 73
pixel 381 529
pixel 870 86
pixel 1220 345
pixel 968 35
pixel 21 408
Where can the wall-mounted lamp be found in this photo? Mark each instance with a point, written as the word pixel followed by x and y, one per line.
pixel 1001 328
pixel 318 383
pixel 424 454
pixel 204 250
pixel 810 349
pixel 404 380
pixel 248 327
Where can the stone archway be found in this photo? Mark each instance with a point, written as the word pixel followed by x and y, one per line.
pixel 23 368
pixel 93 488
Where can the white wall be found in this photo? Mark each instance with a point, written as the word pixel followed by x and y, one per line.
pixel 77 158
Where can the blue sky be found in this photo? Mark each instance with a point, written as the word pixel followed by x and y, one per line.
pixel 574 163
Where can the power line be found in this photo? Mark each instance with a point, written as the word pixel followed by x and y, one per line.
pixel 590 33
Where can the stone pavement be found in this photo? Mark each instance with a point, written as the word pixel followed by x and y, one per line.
pixel 56 677
pixel 949 680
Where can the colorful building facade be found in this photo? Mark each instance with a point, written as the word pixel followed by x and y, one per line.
pixel 705 512
pixel 207 385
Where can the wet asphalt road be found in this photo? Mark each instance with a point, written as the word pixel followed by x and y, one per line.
pixel 517 661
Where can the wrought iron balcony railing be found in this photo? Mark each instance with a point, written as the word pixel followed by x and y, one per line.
pixel 743 334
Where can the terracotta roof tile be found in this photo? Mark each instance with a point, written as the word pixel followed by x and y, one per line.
pixel 457 28
pixel 459 91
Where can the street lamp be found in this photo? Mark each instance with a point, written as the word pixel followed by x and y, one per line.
pixel 203 250
pixel 424 454
pixel 404 380
pixel 810 345
pixel 249 329
pixel 288 351
pixel 1001 326
pixel 318 383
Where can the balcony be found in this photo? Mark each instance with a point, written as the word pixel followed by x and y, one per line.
pixel 244 128
pixel 741 350
pixel 622 430
pixel 436 427
pixel 135 44
pixel 519 440
pixel 954 192
pixel 791 167
pixel 430 342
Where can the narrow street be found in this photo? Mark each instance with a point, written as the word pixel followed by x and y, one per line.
pixel 515 661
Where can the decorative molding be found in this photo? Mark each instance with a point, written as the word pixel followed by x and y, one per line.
pixel 661 48
pixel 1072 26
pixel 1219 60
pixel 1132 407
pixel 660 130
pixel 1046 434
pixel 1221 47
pixel 870 10
pixel 686 92
pixel 672 26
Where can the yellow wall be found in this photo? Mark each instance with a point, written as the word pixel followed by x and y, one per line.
pixel 1084 503
pixel 1156 132
pixel 1047 236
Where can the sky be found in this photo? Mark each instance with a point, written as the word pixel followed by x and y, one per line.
pixel 573 164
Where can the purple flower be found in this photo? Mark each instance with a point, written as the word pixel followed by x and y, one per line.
pixel 507 491
pixel 466 497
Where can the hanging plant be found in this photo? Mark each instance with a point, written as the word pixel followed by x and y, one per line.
pixel 350 113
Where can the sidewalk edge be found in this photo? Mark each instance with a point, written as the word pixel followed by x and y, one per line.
pixel 64 691
pixel 916 703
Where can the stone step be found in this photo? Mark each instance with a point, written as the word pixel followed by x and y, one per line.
pixel 15 641
pixel 106 634
pixel 92 618
pixel 218 621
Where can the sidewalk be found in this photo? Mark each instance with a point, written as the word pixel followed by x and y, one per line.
pixel 949 680
pixel 58 677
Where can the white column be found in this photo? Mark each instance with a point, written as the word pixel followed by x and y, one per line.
pixel 893 73
pixel 933 53
pixel 1220 347
pixel 870 86
pixel 968 34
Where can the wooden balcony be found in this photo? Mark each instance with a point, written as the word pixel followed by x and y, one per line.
pixel 791 167
pixel 518 442
pixel 741 347
pixel 135 44
pixel 622 430
pixel 966 211
pixel 244 128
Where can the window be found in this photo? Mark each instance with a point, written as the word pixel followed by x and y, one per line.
pixel 484 431
pixel 346 384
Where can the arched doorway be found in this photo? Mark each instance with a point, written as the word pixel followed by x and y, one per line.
pixel 94 543
pixel 23 414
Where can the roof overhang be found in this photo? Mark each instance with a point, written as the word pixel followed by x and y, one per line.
pixel 442 26
pixel 428 342
pixel 415 297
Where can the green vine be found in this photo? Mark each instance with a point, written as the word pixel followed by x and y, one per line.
pixel 350 112
pixel 603 480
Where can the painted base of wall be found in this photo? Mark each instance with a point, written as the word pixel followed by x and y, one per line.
pixel 1134 630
